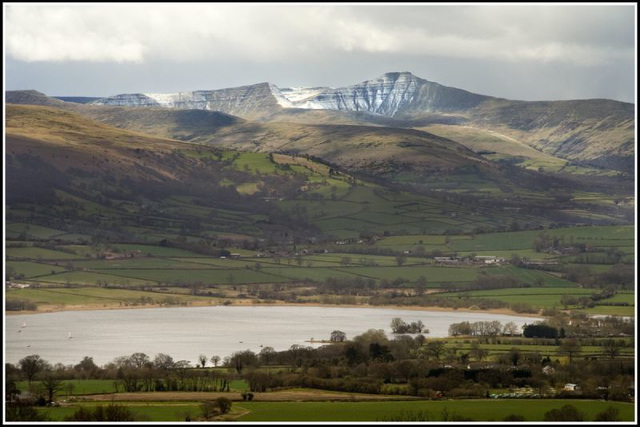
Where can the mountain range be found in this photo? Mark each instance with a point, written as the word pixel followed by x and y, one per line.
pixel 594 133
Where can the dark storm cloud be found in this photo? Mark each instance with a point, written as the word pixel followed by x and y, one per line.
pixel 517 52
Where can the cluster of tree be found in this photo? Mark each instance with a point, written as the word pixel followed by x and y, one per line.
pixel 111 413
pixel 483 328
pixel 539 330
pixel 399 326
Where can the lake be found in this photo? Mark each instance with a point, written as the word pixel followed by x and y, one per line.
pixel 186 332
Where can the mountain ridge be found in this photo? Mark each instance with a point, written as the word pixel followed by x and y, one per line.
pixel 596 132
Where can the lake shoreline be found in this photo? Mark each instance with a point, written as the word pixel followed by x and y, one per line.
pixel 244 303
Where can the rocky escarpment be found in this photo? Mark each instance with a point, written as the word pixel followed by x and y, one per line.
pixel 128 100
pixel 384 95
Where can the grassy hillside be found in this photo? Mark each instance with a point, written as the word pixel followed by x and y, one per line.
pixel 599 132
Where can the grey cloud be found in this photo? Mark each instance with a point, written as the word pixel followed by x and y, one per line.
pixel 517 52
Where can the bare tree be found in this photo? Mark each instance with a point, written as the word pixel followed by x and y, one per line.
pixel 435 349
pixel 338 336
pixel 570 348
pixel 215 360
pixel 612 348
pixel 163 362
pixel 202 359
pixel 510 328
pixel 478 352
pixel 267 354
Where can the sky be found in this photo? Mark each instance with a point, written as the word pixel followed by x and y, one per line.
pixel 520 51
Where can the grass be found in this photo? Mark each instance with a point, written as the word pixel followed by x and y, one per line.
pixel 141 263
pixel 149 412
pixel 34 231
pixel 33 269
pixel 255 162
pixel 155 250
pixel 550 297
pixel 611 310
pixel 628 298
pixel 90 278
pixel 36 253
pixel 478 410
pixel 533 277
pixel 412 273
pixel 79 387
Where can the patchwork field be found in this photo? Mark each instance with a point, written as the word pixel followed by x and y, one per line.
pixel 138 266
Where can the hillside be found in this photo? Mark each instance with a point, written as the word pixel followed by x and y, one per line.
pixel 598 131
pixel 348 144
pixel 58 159
pixel 93 178
pixel 184 125
pixel 30 97
pixel 73 141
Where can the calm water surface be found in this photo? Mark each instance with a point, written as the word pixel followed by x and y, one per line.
pixel 185 333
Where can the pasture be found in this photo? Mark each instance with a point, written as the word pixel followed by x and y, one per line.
pixel 477 410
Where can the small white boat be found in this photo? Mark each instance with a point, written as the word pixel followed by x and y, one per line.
pixel 24 325
pixel 70 335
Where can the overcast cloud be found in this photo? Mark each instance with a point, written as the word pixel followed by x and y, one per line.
pixel 518 52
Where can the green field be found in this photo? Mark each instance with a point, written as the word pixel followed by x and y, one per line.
pixel 478 410
pixel 149 412
pixel 502 243
pixel 550 297
pixel 611 310
pixel 33 269
pixel 78 387
pixel 36 253
pixel 34 231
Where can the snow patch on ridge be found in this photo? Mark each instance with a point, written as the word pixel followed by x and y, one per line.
pixel 301 94
pixel 283 101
